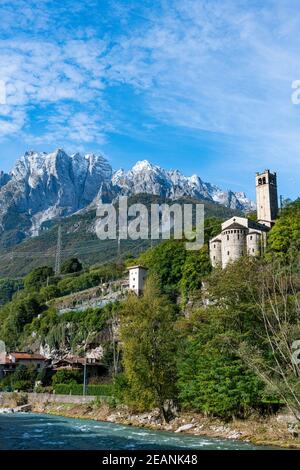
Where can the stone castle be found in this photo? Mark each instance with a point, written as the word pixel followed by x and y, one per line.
pixel 239 235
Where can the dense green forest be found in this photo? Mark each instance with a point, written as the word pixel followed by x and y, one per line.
pixel 216 341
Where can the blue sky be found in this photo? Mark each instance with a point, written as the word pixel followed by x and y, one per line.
pixel 199 85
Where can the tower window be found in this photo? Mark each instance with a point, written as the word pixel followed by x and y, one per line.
pixel 228 253
pixel 227 237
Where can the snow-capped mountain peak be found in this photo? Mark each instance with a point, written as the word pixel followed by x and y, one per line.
pixel 43 186
pixel 144 177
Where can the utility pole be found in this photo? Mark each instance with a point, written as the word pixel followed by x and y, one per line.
pixel 119 250
pixel 281 202
pixel 84 378
pixel 58 252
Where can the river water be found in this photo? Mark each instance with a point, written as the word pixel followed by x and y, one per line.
pixel 40 431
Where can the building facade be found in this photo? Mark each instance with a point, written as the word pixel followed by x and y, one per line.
pixel 137 277
pixel 10 361
pixel 266 197
pixel 241 236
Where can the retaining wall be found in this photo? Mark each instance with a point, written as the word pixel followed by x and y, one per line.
pixel 48 397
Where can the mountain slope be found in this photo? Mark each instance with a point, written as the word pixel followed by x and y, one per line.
pixel 79 239
pixel 45 186
pixel 152 179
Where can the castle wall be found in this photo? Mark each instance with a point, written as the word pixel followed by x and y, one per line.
pixel 254 244
pixel 233 245
pixel 215 251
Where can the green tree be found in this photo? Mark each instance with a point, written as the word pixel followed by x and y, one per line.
pixel 215 381
pixel 19 313
pixel 196 267
pixel 166 261
pixel 23 378
pixel 67 377
pixel 7 289
pixel 71 265
pixel 149 342
pixel 50 292
pixel 37 278
pixel 285 235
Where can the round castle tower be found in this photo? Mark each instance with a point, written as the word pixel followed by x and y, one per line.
pixel 234 242
pixel 254 243
pixel 215 249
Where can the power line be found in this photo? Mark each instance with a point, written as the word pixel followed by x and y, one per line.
pixel 91 246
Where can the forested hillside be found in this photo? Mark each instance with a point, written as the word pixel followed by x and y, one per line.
pixel 215 341
pixel 79 239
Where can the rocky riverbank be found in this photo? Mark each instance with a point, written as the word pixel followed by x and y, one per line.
pixel 280 430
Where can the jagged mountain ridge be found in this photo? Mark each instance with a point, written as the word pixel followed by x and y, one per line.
pixel 145 177
pixel 46 186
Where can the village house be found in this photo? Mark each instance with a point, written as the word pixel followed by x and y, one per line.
pixel 95 368
pixel 10 361
pixel 137 278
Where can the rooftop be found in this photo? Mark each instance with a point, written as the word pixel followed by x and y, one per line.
pixel 26 356
pixel 137 266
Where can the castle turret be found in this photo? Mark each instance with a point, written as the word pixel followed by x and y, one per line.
pixel 215 250
pixel 255 243
pixel 266 197
pixel 234 236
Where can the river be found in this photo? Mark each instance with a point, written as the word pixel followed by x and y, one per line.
pixel 45 432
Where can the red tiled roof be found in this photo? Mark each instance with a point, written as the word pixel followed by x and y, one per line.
pixel 28 356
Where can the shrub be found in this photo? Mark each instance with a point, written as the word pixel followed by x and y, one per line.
pixel 38 277
pixel 71 265
pixel 68 377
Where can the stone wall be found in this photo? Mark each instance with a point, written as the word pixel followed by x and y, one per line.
pixel 8 398
pixel 55 398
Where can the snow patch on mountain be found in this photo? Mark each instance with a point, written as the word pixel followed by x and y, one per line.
pixel 145 177
pixel 44 186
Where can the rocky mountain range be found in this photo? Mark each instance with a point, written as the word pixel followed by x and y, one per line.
pixel 46 186
pixel 145 177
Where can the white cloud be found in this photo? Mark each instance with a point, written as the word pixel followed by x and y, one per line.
pixel 39 74
pixel 218 66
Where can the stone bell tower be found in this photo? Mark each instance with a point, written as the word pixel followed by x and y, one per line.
pixel 266 197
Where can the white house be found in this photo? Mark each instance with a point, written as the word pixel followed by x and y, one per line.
pixel 137 277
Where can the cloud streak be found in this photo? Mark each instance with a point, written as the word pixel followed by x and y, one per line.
pixel 222 67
